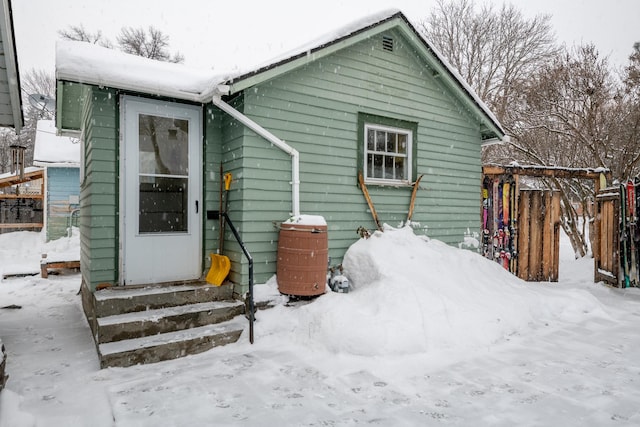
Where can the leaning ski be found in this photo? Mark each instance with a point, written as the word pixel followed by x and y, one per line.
pixel 632 215
pixel 486 205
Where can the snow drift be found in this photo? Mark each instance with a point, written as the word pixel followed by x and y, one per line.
pixel 414 295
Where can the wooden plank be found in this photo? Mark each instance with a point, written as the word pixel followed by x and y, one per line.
pixel 606 253
pixel 535 234
pixel 493 170
pixel 545 171
pixel 606 228
pixel 611 236
pixel 516 225
pixel 600 247
pixel 524 206
pixel 21 196
pixel 599 223
pixel 46 266
pixel 15 179
pixel 603 227
pixel 546 215
pixel 555 221
pixel 23 225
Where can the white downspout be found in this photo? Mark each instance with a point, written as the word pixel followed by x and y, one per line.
pixel 295 156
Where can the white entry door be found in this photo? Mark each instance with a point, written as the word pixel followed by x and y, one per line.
pixel 160 187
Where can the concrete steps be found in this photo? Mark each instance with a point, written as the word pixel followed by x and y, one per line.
pixel 134 325
pixel 169 345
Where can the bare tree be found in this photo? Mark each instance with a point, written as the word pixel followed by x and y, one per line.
pixel 7 138
pixel 34 84
pixel 569 114
pixel 493 50
pixel 152 44
pixel 562 107
pixel 79 33
pixel 149 44
pixel 569 100
pixel 632 71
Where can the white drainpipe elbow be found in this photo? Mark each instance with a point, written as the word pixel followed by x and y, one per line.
pixel 295 155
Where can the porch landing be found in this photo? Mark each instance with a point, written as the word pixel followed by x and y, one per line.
pixel 145 324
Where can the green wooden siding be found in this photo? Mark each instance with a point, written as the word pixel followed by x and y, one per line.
pixel 233 151
pixel 212 125
pixel 70 100
pixel 315 109
pixel 99 189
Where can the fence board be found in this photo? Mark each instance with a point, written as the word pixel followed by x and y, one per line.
pixel 524 209
pixel 546 213
pixel 555 220
pixel 606 254
pixel 538 244
pixel 535 237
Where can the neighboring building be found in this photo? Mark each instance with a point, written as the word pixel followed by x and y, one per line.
pixel 372 97
pixel 60 158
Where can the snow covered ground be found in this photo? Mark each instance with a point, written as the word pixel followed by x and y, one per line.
pixel 431 335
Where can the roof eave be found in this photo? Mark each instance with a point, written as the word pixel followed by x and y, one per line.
pixel 490 124
pixel 8 39
pixel 249 79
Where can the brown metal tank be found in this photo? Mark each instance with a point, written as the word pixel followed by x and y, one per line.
pixel 302 259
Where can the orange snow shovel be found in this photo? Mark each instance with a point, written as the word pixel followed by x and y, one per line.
pixel 220 264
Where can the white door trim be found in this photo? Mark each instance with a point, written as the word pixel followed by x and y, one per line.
pixel 159 257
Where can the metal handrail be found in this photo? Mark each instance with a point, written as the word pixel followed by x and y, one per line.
pixel 248 255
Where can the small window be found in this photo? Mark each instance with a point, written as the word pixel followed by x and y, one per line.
pixel 387 154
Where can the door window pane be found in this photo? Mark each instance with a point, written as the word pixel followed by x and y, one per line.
pixel 163 148
pixel 163 204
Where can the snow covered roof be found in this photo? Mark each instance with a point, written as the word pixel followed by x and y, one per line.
pixel 28 170
pixel 87 63
pixel 31 173
pixel 53 150
pixel 318 43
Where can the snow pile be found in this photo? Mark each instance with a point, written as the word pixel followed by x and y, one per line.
pixel 569 366
pixel 21 251
pixel 306 220
pixel 413 295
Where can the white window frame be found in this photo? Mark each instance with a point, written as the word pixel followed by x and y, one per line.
pixel 408 157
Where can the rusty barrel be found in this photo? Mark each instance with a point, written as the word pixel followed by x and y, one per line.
pixel 302 259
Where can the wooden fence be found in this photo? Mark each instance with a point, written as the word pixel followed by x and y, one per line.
pixel 538 235
pixel 21 201
pixel 607 242
pixel 538 224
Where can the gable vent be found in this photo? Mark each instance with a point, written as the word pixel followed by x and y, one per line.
pixel 387 43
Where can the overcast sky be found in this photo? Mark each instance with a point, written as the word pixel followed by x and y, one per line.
pixel 218 35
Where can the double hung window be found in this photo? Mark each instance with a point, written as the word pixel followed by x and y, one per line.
pixel 387 154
